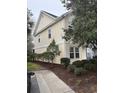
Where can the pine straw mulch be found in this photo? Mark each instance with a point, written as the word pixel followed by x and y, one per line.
pixel 80 84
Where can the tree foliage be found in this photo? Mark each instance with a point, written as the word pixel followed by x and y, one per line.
pixel 53 48
pixel 83 29
pixel 30 24
pixel 50 54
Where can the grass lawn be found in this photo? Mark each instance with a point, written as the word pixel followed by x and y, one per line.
pixel 32 66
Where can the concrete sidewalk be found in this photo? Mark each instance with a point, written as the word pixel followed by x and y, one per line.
pixel 49 83
pixel 34 85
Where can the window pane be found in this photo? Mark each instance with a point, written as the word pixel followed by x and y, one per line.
pixel 49 36
pixel 39 40
pixel 71 55
pixel 71 49
pixel 76 49
pixel 77 55
pixel 49 33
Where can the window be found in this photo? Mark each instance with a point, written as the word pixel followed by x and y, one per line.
pixel 71 52
pixel 33 50
pixel 77 52
pixel 49 33
pixel 39 40
pixel 74 52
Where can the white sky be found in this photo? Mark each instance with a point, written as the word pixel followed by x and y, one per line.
pixel 52 6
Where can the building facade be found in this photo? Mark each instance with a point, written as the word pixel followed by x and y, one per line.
pixel 49 27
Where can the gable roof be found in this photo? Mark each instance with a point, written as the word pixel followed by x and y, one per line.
pixel 46 13
pixel 50 14
pixel 56 20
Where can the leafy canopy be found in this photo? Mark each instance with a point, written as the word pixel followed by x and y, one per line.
pixel 53 48
pixel 51 53
pixel 83 30
pixel 30 24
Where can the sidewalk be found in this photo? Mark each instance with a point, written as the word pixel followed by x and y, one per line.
pixel 49 83
pixel 34 85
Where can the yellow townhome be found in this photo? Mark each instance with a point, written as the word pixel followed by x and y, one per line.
pixel 49 27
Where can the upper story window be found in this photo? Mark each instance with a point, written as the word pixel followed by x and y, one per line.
pixel 49 33
pixel 38 40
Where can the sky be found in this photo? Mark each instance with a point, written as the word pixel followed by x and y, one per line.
pixel 52 6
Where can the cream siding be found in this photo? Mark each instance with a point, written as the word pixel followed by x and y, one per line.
pixel 82 52
pixel 44 21
pixel 56 33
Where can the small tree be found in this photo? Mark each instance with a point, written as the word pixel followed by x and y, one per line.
pixel 83 30
pixel 30 25
pixel 53 48
pixel 51 53
pixel 49 56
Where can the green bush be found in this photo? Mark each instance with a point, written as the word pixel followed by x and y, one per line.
pixel 93 61
pixel 78 71
pixel 71 68
pixel 78 63
pixel 29 59
pixel 84 62
pixel 90 67
pixel 49 56
pixel 65 61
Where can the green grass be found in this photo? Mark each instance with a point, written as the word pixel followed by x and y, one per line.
pixel 32 66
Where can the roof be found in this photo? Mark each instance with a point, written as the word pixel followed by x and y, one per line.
pixel 51 14
pixel 56 20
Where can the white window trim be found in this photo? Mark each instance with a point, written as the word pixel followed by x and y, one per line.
pixel 72 52
pixel 74 48
pixel 49 33
pixel 77 52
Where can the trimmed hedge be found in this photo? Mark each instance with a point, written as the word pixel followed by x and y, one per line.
pixel 65 61
pixel 90 67
pixel 80 63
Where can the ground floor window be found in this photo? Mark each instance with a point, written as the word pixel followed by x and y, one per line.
pixel 74 52
pixel 71 52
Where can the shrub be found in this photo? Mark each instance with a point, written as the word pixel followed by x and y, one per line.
pixel 31 57
pixel 93 61
pixel 65 61
pixel 71 68
pixel 78 63
pixel 84 62
pixel 90 67
pixel 47 56
pixel 78 71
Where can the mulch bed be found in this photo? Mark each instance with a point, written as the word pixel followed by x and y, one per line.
pixel 80 84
